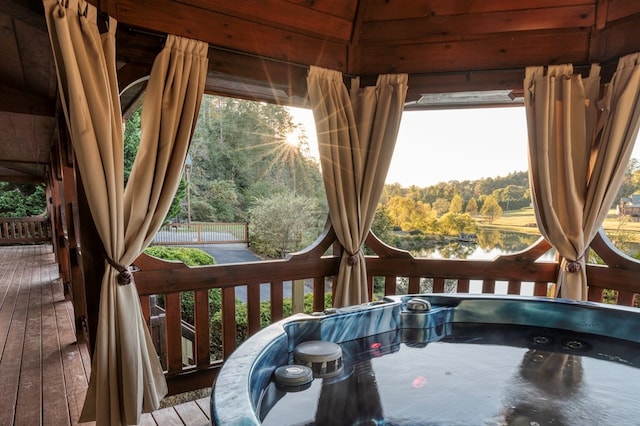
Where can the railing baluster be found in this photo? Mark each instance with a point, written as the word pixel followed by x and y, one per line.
pixel 146 310
pixel 625 298
pixel 276 296
pixel 390 285
pixel 174 332
pixel 513 287
pixel 540 288
pixel 228 321
pixel 438 285
pixel 488 286
pixel 595 294
pixel 318 294
pixel 463 285
pixel 253 308
pixel 414 285
pixel 201 319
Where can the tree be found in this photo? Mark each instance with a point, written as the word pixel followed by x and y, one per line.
pixel 456 204
pixel 455 224
pixel 424 218
pixel 21 200
pixel 512 197
pixel 472 207
pixel 391 190
pixel 382 226
pixel 441 206
pixel 218 200
pixel 399 209
pixel 283 224
pixel 131 142
pixel 630 181
pixel 491 208
pixel 176 208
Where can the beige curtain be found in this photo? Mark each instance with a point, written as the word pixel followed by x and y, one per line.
pixel 579 147
pixel 357 133
pixel 126 376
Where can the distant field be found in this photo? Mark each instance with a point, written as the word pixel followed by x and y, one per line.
pixel 524 221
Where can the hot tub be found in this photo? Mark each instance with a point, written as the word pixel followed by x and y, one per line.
pixel 439 360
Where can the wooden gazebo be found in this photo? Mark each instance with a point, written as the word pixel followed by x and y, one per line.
pixel 262 50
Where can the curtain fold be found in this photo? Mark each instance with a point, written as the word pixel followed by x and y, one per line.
pixel 357 131
pixel 579 146
pixel 126 375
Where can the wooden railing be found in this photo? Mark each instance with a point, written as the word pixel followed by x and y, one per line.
pixel 520 273
pixel 25 230
pixel 203 233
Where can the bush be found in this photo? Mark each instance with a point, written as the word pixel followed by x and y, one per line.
pixel 188 256
pixel 284 223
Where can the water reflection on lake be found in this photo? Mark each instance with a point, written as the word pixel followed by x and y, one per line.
pixel 491 243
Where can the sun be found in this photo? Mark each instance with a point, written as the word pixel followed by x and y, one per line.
pixel 293 138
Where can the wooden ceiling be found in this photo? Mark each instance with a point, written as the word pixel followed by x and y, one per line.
pixel 261 49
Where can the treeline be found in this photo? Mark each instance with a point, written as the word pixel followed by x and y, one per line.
pixel 451 208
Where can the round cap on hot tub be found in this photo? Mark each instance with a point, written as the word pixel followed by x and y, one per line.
pixel 324 358
pixel 293 375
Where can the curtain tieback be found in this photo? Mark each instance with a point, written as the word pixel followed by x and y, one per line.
pixel 574 265
pixel 353 258
pixel 125 277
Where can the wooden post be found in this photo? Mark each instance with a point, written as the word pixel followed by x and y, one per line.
pixel 70 221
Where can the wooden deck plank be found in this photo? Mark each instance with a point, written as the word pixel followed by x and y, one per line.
pixel 9 287
pixel 11 360
pixel 146 419
pixel 191 414
pixel 75 373
pixel 44 371
pixel 55 408
pixel 205 406
pixel 167 416
pixel 29 399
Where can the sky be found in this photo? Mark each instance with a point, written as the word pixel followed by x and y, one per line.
pixel 439 146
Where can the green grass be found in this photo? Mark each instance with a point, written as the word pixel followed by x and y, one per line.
pixel 524 220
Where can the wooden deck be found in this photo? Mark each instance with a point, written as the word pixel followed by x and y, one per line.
pixel 43 369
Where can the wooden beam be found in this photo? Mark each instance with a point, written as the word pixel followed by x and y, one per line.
pixel 21 102
pixel 610 43
pixel 465 26
pixel 392 9
pixel 235 34
pixel 331 18
pixel 488 53
pixel 420 84
pixel 602 9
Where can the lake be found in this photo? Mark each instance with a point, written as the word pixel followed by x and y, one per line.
pixel 490 244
